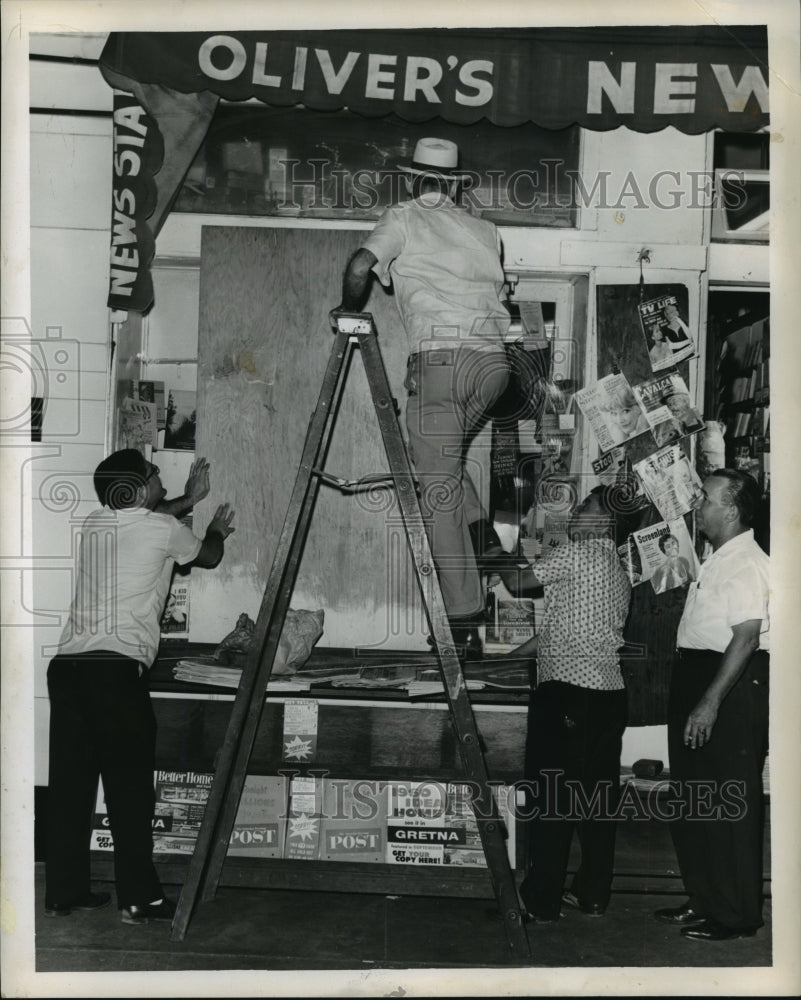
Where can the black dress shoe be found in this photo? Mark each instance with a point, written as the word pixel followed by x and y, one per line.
pixel 711 930
pixel 571 900
pixel 89 901
pixel 144 913
pixel 467 640
pixel 536 918
pixel 683 915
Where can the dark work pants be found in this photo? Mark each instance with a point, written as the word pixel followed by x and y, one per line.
pixel 573 764
pixel 718 833
pixel 101 723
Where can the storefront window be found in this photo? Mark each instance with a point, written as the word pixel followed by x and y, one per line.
pixel 742 188
pixel 335 165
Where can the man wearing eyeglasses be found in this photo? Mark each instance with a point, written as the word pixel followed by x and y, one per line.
pixel 101 718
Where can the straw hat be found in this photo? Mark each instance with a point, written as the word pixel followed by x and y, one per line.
pixel 438 157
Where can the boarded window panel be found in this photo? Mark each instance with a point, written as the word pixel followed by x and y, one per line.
pixel 264 342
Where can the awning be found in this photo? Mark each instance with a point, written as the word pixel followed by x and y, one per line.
pixel 645 78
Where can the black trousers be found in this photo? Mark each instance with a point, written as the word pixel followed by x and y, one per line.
pixel 718 832
pixel 573 776
pixel 101 723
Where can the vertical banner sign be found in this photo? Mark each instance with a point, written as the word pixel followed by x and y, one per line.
pixel 138 154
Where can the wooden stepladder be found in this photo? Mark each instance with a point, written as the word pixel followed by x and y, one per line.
pixel 226 790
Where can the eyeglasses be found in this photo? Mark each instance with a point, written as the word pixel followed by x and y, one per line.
pixel 152 474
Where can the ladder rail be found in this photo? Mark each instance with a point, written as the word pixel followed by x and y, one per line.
pixel 220 812
pixel 489 825
pixel 288 555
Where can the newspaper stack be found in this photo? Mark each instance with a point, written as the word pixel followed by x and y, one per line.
pixel 202 671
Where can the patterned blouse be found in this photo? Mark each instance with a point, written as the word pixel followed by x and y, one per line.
pixel 587 598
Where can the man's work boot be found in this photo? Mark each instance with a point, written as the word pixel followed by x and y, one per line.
pixel 466 637
pixel 485 538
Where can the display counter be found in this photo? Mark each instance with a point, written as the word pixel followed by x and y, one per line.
pixel 393 740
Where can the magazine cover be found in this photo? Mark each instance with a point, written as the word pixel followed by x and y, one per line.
pixel 667 337
pixel 179 432
pixel 260 824
pixel 608 467
pixel 136 426
pixel 354 825
pixel 670 481
pixel 614 468
pixel 432 823
pixel 175 618
pixel 181 798
pixel 630 560
pixel 300 729
pixel 667 556
pixel 416 829
pixel 612 411
pixel 180 803
pixel 512 620
pixel 149 391
pixel 302 841
pixel 665 401
pixel 460 808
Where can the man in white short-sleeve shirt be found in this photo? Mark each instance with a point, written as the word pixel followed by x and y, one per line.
pixel 718 720
pixel 444 265
pixel 101 718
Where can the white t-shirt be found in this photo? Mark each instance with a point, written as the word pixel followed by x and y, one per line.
pixel 124 564
pixel 732 587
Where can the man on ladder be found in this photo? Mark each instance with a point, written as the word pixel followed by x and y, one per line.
pixel 445 268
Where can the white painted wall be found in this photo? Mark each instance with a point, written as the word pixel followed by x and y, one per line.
pixel 70 173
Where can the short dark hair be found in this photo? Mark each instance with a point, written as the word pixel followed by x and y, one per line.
pixel 605 494
pixel 743 492
pixel 664 539
pixel 118 478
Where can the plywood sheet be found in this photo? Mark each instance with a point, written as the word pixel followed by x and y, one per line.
pixel 264 342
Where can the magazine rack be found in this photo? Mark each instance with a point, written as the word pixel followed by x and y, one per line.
pixel 353 329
